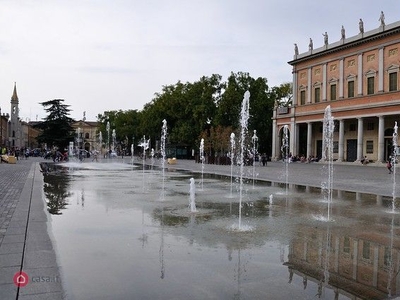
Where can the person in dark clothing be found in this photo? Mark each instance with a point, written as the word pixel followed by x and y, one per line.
pixel 389 166
pixel 264 159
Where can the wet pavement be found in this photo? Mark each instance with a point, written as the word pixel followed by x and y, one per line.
pixel 372 178
pixel 25 243
pixel 25 234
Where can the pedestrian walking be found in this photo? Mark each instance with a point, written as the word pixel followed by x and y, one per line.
pixel 389 166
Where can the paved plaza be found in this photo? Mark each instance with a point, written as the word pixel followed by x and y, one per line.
pixel 25 230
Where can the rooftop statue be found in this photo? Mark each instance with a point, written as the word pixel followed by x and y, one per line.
pixel 361 26
pixel 296 50
pixel 382 18
pixel 325 38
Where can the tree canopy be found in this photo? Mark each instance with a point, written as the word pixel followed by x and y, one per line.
pixel 56 129
pixel 207 108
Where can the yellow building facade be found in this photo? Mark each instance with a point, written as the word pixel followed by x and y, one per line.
pixel 358 77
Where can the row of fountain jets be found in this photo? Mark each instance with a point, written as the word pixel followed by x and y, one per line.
pixel 327 155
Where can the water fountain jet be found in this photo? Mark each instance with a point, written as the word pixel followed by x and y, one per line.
pixel 394 157
pixel 192 191
pixel 254 140
pixel 108 136
pixel 285 154
pixel 327 156
pixel 244 118
pixel 202 161
pixel 163 155
pixel 232 156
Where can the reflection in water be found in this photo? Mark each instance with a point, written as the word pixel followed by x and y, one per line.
pixel 355 256
pixel 144 236
pixel 359 264
pixel 389 261
pixel 161 251
pixel 83 198
pixel 237 295
pixel 56 191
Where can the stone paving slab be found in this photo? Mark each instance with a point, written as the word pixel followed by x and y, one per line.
pixel 25 243
pixel 8 291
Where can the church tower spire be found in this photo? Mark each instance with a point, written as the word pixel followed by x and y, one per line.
pixel 14 97
pixel 15 130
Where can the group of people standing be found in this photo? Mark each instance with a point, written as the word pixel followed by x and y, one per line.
pixel 16 151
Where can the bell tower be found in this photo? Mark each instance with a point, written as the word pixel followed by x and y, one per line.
pixel 15 129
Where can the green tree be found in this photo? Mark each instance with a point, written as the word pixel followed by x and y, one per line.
pixel 283 94
pixel 261 107
pixel 261 110
pixel 56 128
pixel 229 104
pixel 186 107
pixel 125 123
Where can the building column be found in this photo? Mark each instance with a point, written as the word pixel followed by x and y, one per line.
pixel 360 74
pixel 309 86
pixel 324 85
pixel 309 139
pixel 293 137
pixel 375 266
pixel 355 259
pixel 380 70
pixel 341 140
pixel 294 100
pixel 381 139
pixel 274 134
pixel 360 143
pixel 337 251
pixel 341 78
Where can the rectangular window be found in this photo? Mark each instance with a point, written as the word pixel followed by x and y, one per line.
pixel 350 89
pixel 336 125
pixel 370 85
pixel 317 92
pixel 366 249
pixel 353 127
pixel 333 91
pixel 302 97
pixel 393 81
pixel 346 245
pixel 335 147
pixel 370 126
pixel 387 257
pixel 370 147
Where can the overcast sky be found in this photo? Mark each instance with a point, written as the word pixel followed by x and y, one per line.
pixel 103 55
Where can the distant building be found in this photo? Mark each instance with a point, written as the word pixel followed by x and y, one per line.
pixel 86 135
pixel 15 133
pixel 359 78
